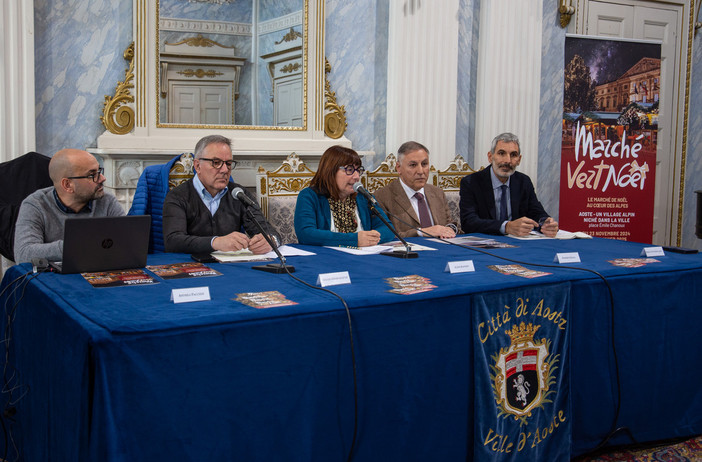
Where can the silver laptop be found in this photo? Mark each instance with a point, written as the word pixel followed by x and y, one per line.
pixel 104 244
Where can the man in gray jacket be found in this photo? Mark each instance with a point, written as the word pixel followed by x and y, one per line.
pixel 77 192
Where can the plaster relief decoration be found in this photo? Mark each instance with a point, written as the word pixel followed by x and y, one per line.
pixel 128 173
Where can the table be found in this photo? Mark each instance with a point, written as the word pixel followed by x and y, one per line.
pixel 124 374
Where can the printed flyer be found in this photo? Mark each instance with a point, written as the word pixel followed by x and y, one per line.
pixel 121 278
pixel 269 299
pixel 183 270
pixel 407 285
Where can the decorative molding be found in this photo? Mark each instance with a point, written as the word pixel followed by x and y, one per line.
pixel 216 2
pixel 692 31
pixel 205 27
pixel 335 121
pixel 117 117
pixel 291 36
pixel 199 41
pixel 281 23
pixel 292 67
pixel 200 73
pixel 127 173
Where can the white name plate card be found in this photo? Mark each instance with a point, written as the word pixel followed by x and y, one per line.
pixel 653 252
pixel 465 266
pixel 567 257
pixel 191 294
pixel 333 279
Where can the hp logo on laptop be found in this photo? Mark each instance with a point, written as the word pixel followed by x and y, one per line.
pixel 107 243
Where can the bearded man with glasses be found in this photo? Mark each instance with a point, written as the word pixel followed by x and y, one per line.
pixel 201 216
pixel 77 191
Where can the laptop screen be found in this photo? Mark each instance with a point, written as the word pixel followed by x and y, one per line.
pixel 105 243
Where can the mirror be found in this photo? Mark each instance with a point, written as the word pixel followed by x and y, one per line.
pixel 136 134
pixel 225 63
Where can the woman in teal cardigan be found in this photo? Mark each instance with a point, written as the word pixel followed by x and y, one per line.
pixel 329 212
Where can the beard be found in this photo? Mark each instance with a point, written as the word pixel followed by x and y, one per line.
pixel 97 193
pixel 500 171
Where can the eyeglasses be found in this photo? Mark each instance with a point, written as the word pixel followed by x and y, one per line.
pixel 217 163
pixel 93 176
pixel 349 169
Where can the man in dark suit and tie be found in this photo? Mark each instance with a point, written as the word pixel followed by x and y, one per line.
pixel 411 202
pixel 500 200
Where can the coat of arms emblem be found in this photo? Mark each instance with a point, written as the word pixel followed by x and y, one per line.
pixel 523 373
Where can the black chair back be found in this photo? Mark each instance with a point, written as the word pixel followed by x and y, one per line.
pixel 19 178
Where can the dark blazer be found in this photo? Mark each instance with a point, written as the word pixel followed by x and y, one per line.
pixel 477 202
pixel 188 226
pixel 394 201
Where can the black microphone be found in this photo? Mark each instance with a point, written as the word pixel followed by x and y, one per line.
pixel 240 195
pixel 358 188
pixel 374 206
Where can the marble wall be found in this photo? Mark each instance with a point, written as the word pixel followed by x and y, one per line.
pixel 356 47
pixel 468 29
pixel 693 164
pixel 551 109
pixel 79 46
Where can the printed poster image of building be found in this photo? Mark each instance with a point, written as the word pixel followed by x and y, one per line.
pixel 609 137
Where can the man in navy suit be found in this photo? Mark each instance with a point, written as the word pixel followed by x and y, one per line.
pixel 500 200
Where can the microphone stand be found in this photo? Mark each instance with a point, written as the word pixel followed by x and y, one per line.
pixel 276 268
pixel 407 253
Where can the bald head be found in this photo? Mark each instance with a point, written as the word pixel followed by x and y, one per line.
pixel 70 162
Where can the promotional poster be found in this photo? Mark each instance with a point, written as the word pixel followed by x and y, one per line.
pixel 609 136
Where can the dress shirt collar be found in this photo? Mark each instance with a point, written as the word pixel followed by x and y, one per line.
pixel 87 209
pixel 411 192
pixel 212 203
pixel 496 183
pixel 204 193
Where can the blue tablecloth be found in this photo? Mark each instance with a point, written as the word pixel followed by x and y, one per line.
pixel 125 374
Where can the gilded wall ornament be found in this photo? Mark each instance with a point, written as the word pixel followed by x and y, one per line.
pixel 117 117
pixel 200 73
pixel 335 121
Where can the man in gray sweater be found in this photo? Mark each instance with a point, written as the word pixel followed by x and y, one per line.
pixel 77 192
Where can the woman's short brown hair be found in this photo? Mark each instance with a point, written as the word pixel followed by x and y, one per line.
pixel 333 158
